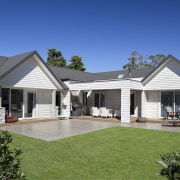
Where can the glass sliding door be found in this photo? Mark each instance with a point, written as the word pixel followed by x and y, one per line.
pixel 5 99
pixel 30 105
pixel 58 101
pixel 99 99
pixel 16 102
pixel 177 101
pixel 170 98
pixel 167 99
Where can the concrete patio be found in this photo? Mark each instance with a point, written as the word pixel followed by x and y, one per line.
pixel 57 129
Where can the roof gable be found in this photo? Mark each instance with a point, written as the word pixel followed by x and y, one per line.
pixel 11 63
pixel 160 67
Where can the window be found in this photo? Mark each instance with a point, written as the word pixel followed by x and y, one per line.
pixel 85 99
pixel 100 99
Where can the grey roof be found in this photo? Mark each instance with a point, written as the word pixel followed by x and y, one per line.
pixel 76 75
pixel 11 62
pixel 7 64
pixel 123 74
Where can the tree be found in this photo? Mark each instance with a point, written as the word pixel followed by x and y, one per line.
pixel 76 63
pixel 137 61
pixel 9 159
pixel 133 61
pixel 155 60
pixel 55 58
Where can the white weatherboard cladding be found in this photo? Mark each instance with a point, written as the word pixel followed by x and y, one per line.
pixel 167 78
pixel 43 110
pixel 153 104
pixel 143 104
pixel 136 85
pixel 28 75
pixel 99 85
pixel 125 105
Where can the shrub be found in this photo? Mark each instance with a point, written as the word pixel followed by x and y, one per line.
pixel 9 159
pixel 171 165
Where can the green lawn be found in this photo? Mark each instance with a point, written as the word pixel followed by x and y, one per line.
pixel 115 153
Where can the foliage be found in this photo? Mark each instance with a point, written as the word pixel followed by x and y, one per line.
pixel 171 165
pixel 55 58
pixel 76 63
pixel 138 61
pixel 9 159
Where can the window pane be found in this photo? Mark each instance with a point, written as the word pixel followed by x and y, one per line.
pixel 166 100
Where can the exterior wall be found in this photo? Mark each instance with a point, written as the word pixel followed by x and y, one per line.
pixel 138 102
pixel 100 85
pixel 113 99
pixel 153 104
pixel 44 96
pixel 143 104
pixel 125 104
pixel 28 75
pixel 44 101
pixel 167 78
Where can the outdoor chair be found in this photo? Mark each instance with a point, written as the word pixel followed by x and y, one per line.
pixel 171 114
pixel 174 117
pixel 106 112
pixel 95 112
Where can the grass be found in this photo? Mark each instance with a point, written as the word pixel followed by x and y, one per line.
pixel 116 153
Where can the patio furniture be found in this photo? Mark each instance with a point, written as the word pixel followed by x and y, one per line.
pixel 11 119
pixel 171 114
pixel 174 116
pixel 95 112
pixel 106 112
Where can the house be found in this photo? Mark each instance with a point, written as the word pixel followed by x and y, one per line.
pixel 32 89
pixel 136 93
pixel 29 89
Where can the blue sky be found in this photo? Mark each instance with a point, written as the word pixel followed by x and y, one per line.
pixel 103 32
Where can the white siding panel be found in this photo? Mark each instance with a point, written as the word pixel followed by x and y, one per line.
pixel 143 104
pixel 99 85
pixel 125 105
pixel 152 104
pixel 28 75
pixel 43 110
pixel 136 85
pixel 167 78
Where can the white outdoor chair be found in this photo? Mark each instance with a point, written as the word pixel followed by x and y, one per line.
pixel 95 112
pixel 106 112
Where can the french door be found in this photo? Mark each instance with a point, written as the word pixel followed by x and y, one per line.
pixel 100 99
pixel 170 98
pixel 30 105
